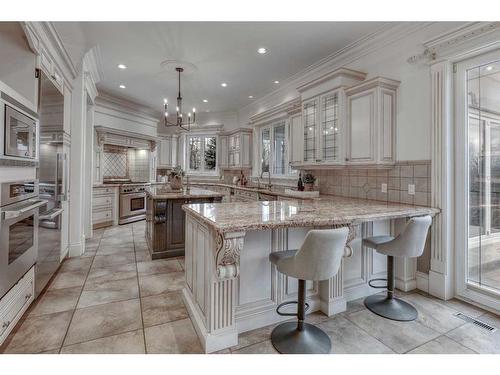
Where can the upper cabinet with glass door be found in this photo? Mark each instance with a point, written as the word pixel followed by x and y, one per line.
pixel 324 119
pixel 236 147
pixel 347 121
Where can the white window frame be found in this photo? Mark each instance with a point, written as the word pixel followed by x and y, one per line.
pixel 289 172
pixel 202 171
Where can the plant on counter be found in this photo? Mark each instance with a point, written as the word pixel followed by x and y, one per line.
pixel 309 180
pixel 176 176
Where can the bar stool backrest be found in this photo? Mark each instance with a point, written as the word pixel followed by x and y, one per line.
pixel 319 257
pixel 410 243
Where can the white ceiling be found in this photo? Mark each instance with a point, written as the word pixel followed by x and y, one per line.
pixel 222 52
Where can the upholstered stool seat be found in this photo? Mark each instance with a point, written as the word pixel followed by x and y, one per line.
pixel 409 244
pixel 319 258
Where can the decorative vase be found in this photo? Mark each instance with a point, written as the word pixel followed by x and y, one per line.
pixel 176 183
pixel 309 186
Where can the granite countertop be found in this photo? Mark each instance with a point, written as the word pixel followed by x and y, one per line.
pixel 239 187
pixel 106 185
pixel 323 211
pixel 163 192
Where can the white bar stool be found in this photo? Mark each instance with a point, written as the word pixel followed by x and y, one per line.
pixel 409 243
pixel 319 258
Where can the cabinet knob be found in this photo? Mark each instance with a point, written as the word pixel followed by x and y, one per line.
pixel 346 159
pixel 6 324
pixel 27 296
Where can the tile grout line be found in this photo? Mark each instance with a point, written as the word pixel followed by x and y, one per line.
pixel 139 290
pixel 78 300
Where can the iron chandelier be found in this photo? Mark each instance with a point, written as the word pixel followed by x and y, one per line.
pixel 179 119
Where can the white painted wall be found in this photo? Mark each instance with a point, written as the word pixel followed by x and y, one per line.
pixel 414 103
pixel 17 61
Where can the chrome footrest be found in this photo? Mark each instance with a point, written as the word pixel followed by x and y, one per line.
pixel 289 303
pixel 378 286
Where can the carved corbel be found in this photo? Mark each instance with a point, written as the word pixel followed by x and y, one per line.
pixel 227 256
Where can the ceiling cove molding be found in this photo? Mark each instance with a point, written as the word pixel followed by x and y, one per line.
pixel 460 42
pixel 390 33
pixel 131 108
pixel 43 36
pixel 282 110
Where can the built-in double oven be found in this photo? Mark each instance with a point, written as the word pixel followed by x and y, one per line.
pixel 19 205
pixel 19 130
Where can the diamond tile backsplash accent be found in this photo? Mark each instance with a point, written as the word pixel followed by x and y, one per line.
pixel 115 165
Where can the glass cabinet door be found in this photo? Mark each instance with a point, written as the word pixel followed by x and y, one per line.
pixel 329 128
pixel 310 123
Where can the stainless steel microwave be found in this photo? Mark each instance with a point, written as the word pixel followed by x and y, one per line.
pixel 19 129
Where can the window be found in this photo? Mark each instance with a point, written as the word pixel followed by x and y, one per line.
pixel 273 149
pixel 202 154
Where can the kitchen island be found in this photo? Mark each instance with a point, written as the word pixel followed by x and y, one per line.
pixel 231 287
pixel 165 219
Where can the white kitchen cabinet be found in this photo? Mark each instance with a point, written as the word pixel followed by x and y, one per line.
pixel 223 156
pixel 296 136
pixel 371 123
pixel 165 155
pixel 15 302
pixel 239 143
pixel 323 122
pixel 104 206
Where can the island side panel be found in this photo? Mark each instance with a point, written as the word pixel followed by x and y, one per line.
pixel 209 299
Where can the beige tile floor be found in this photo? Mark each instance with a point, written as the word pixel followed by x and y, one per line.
pixel 114 299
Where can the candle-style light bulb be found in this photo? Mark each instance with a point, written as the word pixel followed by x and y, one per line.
pixel 189 114
pixel 165 101
pixel 194 110
pixel 166 114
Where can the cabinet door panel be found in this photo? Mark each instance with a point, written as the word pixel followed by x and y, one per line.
pixel 386 136
pixel 361 128
pixel 176 219
pixel 296 139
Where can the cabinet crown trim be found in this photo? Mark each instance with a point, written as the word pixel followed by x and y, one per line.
pixel 374 82
pixel 341 72
pixel 276 112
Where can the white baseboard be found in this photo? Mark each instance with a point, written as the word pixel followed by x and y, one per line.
pixel 422 281
pixel 440 285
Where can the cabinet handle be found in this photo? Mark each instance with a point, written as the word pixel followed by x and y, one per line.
pixel 28 296
pixel 346 159
pixel 6 324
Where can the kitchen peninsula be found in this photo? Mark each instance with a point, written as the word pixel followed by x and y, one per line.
pixel 165 218
pixel 231 286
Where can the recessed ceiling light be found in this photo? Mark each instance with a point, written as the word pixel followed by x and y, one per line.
pixel 262 50
pixel 122 86
pixel 223 84
pixel 250 96
pixel 207 110
pixel 488 68
pixel 276 82
pixel 205 101
pixel 122 66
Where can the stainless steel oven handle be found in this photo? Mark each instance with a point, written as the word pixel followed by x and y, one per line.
pixel 16 213
pixel 52 215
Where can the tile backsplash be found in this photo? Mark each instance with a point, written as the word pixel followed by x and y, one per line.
pixel 115 163
pixel 123 162
pixel 367 183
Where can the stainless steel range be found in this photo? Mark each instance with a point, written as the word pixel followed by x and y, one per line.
pixel 132 202
pixel 19 204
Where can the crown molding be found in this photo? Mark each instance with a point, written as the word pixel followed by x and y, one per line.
pixel 374 82
pixel 341 72
pixel 460 42
pixel 282 110
pixel 390 33
pixel 109 101
pixel 43 36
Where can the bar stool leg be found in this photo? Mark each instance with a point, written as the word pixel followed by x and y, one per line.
pixel 300 337
pixel 389 306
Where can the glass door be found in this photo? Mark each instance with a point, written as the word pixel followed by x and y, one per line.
pixel 478 180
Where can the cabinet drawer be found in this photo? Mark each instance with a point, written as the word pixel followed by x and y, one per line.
pixel 15 302
pixel 102 215
pixel 99 201
pixel 103 191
